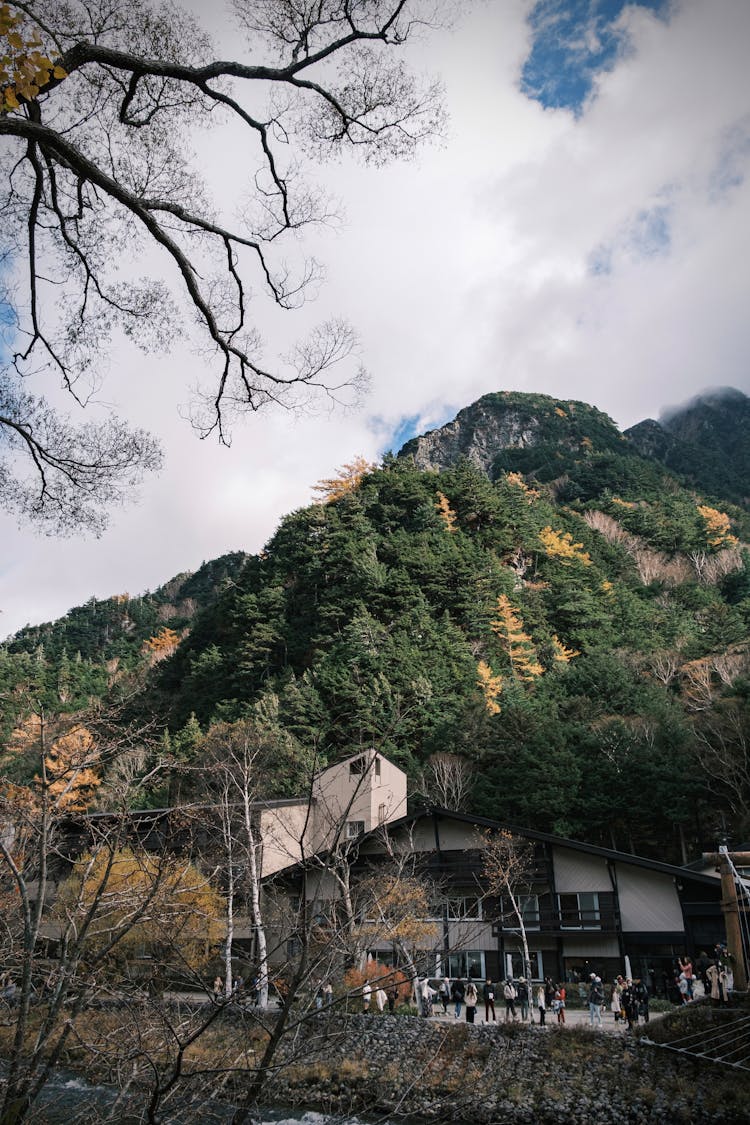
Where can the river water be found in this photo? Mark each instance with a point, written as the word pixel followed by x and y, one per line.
pixel 68 1100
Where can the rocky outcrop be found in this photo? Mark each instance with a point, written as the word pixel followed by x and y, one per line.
pixel 511 422
pixel 477 433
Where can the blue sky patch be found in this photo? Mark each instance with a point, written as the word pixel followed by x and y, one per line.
pixel 573 41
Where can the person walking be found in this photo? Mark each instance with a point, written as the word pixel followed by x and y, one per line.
pixel 488 995
pixel 458 991
pixel 380 998
pixel 366 996
pixel 470 999
pixel 218 987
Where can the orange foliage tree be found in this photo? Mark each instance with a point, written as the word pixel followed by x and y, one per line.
pixel 347 481
pixel 491 687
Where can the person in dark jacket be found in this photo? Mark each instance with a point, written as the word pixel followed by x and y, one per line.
pixel 488 995
pixel 641 996
pixel 457 996
pixel 630 1004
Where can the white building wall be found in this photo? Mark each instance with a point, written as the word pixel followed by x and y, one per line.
pixel 648 900
pixel 576 871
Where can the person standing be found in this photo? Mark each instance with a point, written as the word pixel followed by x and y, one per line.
pixel 560 996
pixel 488 995
pixel 445 994
pixel 642 998
pixel 366 995
pixel 630 1004
pixel 596 999
pixel 328 993
pixel 426 996
pixel 509 995
pixel 541 1003
pixel 380 998
pixel 686 967
pixel 392 998
pixel 457 996
pixel 218 987
pixel 470 999
pixel 523 998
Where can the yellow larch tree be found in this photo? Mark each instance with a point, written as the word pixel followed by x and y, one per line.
pixel 446 513
pixel 518 482
pixel 347 481
pixel 71 770
pixel 491 687
pixel 559 545
pixel 561 653
pixel 518 645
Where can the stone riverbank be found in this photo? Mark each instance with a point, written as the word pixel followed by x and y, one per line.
pixel 499 1075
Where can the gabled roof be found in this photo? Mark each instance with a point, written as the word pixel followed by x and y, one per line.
pixel 609 854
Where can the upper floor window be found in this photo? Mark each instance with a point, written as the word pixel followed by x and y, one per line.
pixel 354 828
pixel 382 813
pixel 357 767
pixel 460 908
pixel 580 911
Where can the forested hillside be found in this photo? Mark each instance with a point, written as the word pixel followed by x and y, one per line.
pixel 577 641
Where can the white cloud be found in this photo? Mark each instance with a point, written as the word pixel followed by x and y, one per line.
pixel 470 271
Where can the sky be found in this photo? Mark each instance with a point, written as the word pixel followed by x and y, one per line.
pixel 583 231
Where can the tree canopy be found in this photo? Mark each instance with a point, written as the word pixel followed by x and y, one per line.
pixel 100 103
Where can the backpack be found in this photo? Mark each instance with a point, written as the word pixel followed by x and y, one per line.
pixel 509 992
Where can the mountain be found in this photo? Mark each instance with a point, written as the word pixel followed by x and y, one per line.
pixel 552 608
pixel 706 441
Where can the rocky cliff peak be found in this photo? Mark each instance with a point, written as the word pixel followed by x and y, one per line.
pixel 511 420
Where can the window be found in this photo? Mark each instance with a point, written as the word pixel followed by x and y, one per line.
pixel 515 967
pixel 463 907
pixel 382 814
pixel 377 766
pixel 529 905
pixel 468 963
pixel 354 828
pixel 357 767
pixel 580 911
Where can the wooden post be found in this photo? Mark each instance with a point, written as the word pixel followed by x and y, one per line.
pixel 731 908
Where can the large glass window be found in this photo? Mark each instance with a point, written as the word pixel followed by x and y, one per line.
pixel 467 963
pixel 514 966
pixel 580 911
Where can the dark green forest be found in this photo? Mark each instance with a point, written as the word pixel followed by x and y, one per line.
pixel 574 633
